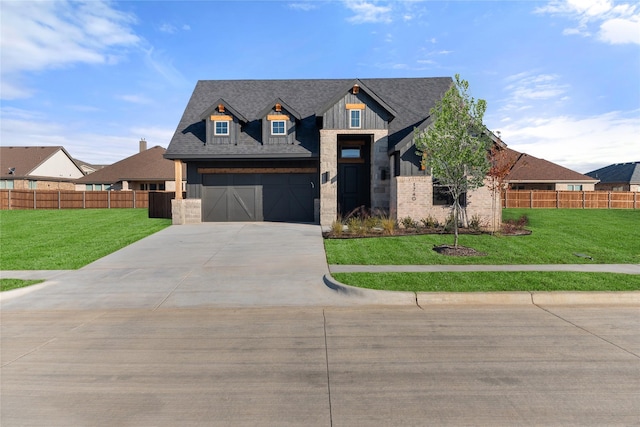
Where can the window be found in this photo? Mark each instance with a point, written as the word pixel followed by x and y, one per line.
pixel 442 196
pixel 278 127
pixel 575 187
pixel 350 153
pixel 221 128
pixel 6 184
pixel 33 185
pixel 354 119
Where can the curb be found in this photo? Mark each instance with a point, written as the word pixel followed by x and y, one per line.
pixel 421 299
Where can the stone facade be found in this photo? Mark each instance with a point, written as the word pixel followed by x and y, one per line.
pixel 412 196
pixel 186 211
pixel 380 189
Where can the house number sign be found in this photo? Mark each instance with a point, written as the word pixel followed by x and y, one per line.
pixel 413 197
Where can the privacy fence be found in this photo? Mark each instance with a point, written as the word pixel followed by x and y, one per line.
pixel 571 199
pixel 47 199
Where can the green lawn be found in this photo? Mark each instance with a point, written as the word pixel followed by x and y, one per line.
pixel 608 236
pixel 69 239
pixel 8 284
pixel 494 281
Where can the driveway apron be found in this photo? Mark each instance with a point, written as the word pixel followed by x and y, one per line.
pixel 209 264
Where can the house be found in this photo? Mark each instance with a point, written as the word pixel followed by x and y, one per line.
pixel 309 150
pixel 531 173
pixel 618 177
pixel 146 170
pixel 37 168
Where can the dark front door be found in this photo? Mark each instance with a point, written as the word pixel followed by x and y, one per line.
pixel 353 176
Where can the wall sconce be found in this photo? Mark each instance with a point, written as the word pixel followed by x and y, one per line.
pixel 356 89
pixel 220 108
pixel 278 108
pixel 325 177
pixel 383 174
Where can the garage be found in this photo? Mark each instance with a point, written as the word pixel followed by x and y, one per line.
pixel 285 197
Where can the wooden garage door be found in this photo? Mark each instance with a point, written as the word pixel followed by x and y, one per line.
pixel 259 197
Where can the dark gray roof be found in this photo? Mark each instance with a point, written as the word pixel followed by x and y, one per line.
pixel 408 99
pixel 627 173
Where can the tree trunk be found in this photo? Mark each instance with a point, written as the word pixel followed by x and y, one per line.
pixel 456 215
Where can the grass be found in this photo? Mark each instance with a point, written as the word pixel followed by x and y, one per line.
pixel 8 284
pixel 608 236
pixel 498 281
pixel 69 239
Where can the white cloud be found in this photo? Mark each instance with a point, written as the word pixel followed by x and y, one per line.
pixel 18 130
pixel 304 6
pixel 579 143
pixel 368 12
pixel 614 23
pixel 36 36
pixel 168 28
pixel 524 89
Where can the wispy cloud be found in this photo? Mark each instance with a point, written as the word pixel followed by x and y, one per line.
pixel 614 23
pixel 367 12
pixel 600 140
pixel 161 64
pixel 135 99
pixel 525 89
pixel 36 36
pixel 305 6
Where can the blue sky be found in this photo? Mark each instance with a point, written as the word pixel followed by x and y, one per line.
pixel 561 78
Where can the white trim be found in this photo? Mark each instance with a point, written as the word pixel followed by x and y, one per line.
pixel 351 119
pixel 284 122
pixel 215 128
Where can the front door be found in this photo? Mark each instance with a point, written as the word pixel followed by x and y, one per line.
pixel 353 176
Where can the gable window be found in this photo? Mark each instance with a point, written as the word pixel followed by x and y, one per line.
pixel 354 119
pixel 278 127
pixel 221 128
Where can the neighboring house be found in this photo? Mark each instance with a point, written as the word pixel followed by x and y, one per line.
pixel 532 173
pixel 86 167
pixel 37 168
pixel 146 170
pixel 618 177
pixel 309 150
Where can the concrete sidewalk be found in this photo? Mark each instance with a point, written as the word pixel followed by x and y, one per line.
pixel 587 268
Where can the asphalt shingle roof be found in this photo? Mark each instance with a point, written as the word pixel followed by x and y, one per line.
pixel 619 173
pixel 148 165
pixel 25 160
pixel 530 168
pixel 410 98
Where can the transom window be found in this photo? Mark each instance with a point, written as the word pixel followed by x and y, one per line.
pixel 354 118
pixel 278 127
pixel 221 128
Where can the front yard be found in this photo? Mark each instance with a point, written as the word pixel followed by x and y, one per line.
pixel 571 236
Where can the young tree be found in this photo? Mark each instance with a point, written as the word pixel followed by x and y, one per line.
pixel 455 146
pixel 501 164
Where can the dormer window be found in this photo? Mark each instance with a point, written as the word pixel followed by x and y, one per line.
pixel 221 128
pixel 354 119
pixel 278 127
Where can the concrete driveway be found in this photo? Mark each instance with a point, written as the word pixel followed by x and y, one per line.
pixel 205 265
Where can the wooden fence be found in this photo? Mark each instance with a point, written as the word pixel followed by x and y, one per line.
pixel 47 199
pixel 571 199
pixel 160 203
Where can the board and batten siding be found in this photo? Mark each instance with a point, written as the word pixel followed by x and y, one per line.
pixel 290 123
pixel 234 128
pixel 372 117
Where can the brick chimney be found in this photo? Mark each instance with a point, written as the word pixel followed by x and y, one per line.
pixel 143 145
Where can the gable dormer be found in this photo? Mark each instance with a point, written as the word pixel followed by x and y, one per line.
pixel 279 123
pixel 356 107
pixel 222 123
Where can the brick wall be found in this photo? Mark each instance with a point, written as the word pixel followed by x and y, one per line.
pixel 412 196
pixel 186 211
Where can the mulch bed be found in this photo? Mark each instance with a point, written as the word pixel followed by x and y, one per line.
pixel 459 251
